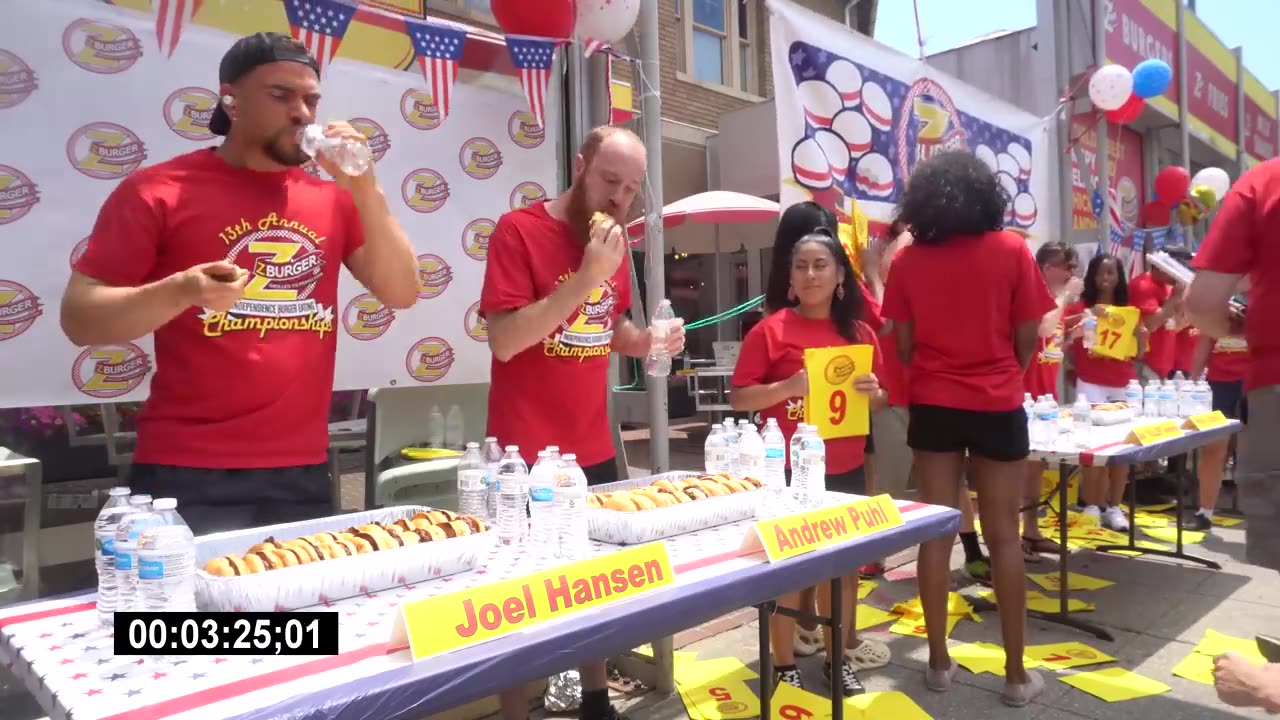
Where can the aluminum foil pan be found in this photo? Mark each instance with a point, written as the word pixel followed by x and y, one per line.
pixel 319 582
pixel 634 528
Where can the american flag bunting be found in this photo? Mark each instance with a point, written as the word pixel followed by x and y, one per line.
pixel 439 50
pixel 171 15
pixel 319 25
pixel 534 58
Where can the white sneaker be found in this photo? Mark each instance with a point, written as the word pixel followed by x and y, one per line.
pixel 1115 519
pixel 1092 511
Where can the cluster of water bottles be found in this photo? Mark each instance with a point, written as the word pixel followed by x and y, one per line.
pixel 1173 399
pixel 740 450
pixel 543 507
pixel 145 555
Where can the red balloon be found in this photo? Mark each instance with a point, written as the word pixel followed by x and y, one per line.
pixel 1172 184
pixel 1128 112
pixel 1155 215
pixel 544 18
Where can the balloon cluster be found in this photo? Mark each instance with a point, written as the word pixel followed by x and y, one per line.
pixel 602 21
pixel 1122 93
pixel 1190 197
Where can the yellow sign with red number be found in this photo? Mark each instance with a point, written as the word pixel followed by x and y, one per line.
pixel 833 406
pixel 1118 333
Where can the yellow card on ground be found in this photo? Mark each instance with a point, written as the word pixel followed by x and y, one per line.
pixel 1060 656
pixel 1144 520
pixel 956 605
pixel 978 657
pixel 878 705
pixel 716 670
pixel 1205 421
pixel 811 530
pixel 1117 338
pixel 646 650
pixel 1196 668
pixel 1049 484
pixel 868 616
pixel 1152 433
pixel 447 622
pixel 915 626
pixel 1157 508
pixel 1048 604
pixel 1215 643
pixel 1075 581
pixel 721 700
pixel 1098 534
pixel 1169 534
pixel 1226 521
pixel 832 405
pixel 791 703
pixel 1116 684
pixel 865 587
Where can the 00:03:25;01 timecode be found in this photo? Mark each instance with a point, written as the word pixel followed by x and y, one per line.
pixel 226 633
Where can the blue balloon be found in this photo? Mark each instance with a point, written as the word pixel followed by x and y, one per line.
pixel 1151 78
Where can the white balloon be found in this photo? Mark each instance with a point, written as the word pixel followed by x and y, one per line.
pixel 1110 87
pixel 1216 179
pixel 607 22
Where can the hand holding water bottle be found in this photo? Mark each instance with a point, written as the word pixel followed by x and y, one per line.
pixel 341 150
pixel 666 339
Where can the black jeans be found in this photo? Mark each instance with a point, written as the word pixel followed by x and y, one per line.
pixel 215 500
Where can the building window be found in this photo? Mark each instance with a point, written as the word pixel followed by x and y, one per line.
pixel 478 9
pixel 718 46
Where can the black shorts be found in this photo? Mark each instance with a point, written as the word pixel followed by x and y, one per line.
pixel 1231 399
pixel 1000 436
pixel 602 472
pixel 215 500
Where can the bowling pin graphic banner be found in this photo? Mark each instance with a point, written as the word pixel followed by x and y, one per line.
pixel 91 92
pixel 855 117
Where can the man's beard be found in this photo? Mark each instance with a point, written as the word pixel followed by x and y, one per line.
pixel 284 148
pixel 579 213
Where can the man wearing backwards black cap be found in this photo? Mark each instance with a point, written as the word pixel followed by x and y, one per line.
pixel 231 256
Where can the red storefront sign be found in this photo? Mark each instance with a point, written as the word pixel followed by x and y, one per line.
pixel 1259 131
pixel 1124 148
pixel 1211 93
pixel 1138 30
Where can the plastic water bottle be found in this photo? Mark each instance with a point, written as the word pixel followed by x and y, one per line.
pixel 1202 397
pixel 1090 330
pixel 553 455
pixel 1044 428
pixel 571 510
pixel 733 464
pixel 1168 400
pixel 104 544
pixel 1179 379
pixel 798 489
pixel 813 458
pixel 1133 395
pixel 715 451
pixel 775 459
pixel 542 519
pixel 512 481
pixel 1055 425
pixel 1028 405
pixel 1151 399
pixel 353 158
pixel 492 456
pixel 658 362
pixel 1186 398
pixel 472 493
pixel 137 519
pixel 751 454
pixel 167 562
pixel 1082 422
pixel 454 429
pixel 435 428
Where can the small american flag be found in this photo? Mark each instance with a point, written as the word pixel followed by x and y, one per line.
pixel 533 57
pixel 171 15
pixel 319 25
pixel 439 51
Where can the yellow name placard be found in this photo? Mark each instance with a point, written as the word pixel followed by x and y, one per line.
pixel 460 619
pixel 1205 421
pixel 1154 433
pixel 1117 333
pixel 832 405
pixel 811 530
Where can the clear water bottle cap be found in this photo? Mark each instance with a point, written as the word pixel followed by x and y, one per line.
pixel 570 457
pixel 543 453
pixel 513 448
pixel 491 439
pixel 553 448
pixel 119 490
pixel 165 504
pixel 139 499
pixel 471 445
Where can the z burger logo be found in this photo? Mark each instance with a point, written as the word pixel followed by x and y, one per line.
pixel 366 318
pixel 105 151
pixel 524 130
pixel 379 140
pixel 527 194
pixel 429 359
pixel 434 276
pixel 109 371
pixel 17 195
pixel 17 80
pixel 480 158
pixel 475 238
pixel 419 110
pixel 474 322
pixel 424 190
pixel 101 47
pixel 19 308
pixel 187 112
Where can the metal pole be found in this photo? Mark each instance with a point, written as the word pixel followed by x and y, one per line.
pixel 1184 125
pixel 655 248
pixel 1242 162
pixel 1062 61
pixel 1103 149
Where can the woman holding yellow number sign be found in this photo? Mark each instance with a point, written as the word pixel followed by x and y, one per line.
pixel 825 311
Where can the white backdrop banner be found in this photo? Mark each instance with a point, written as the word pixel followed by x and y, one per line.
pixel 87 96
pixel 855 117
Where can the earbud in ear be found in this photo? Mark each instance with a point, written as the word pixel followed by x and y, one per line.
pixel 228 100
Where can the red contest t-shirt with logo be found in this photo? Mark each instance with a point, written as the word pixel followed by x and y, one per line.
pixel 1042 371
pixel 1148 295
pixel 774 351
pixel 1228 360
pixel 1244 239
pixel 1184 348
pixel 249 388
pixel 963 325
pixel 1093 368
pixel 555 392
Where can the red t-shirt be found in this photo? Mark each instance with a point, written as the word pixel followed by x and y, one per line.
pixel 1229 360
pixel 1093 368
pixel 555 392
pixel 1184 348
pixel 250 388
pixel 774 351
pixel 1244 239
pixel 964 298
pixel 891 375
pixel 1148 295
pixel 1042 371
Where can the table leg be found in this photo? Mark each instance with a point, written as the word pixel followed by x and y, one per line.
pixel 766 663
pixel 663 657
pixel 1180 477
pixel 837 650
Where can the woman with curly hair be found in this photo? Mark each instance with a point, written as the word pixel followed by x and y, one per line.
pixel 966 299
